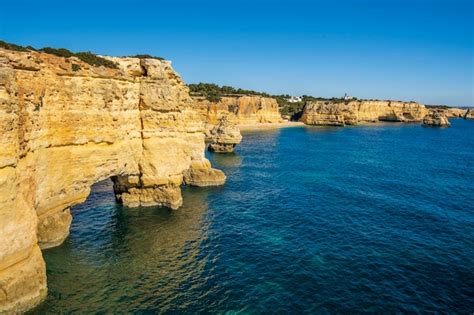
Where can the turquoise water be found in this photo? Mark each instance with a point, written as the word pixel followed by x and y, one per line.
pixel 311 220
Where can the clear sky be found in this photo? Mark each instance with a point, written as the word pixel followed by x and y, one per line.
pixel 391 49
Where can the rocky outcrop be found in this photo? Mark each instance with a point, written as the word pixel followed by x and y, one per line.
pixel 455 112
pixel 328 113
pixel 469 114
pixel 240 110
pixel 224 136
pixel 436 119
pixel 66 125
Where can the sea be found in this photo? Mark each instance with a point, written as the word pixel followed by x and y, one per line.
pixel 312 220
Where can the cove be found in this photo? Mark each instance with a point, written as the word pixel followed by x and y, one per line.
pixel 373 218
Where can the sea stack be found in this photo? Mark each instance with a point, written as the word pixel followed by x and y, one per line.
pixel 224 136
pixel 436 119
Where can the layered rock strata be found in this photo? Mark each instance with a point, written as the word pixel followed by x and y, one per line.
pixel 64 126
pixel 327 113
pixel 240 110
pixel 224 136
pixel 436 119
pixel 455 112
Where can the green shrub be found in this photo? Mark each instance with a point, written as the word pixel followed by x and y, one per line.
pixel 146 57
pixel 14 47
pixel 60 52
pixel 95 60
pixel 76 67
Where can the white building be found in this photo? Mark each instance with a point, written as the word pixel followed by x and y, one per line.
pixel 295 99
pixel 348 97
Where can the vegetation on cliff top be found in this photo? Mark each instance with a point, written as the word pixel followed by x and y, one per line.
pixel 214 92
pixel 86 56
pixel 145 56
pixel 293 110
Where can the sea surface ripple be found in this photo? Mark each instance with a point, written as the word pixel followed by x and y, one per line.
pixel 373 219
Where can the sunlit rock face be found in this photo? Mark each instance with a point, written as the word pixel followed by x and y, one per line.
pixel 455 112
pixel 469 114
pixel 64 126
pixel 436 119
pixel 223 137
pixel 240 110
pixel 353 112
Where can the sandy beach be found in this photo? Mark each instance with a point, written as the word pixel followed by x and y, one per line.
pixel 284 124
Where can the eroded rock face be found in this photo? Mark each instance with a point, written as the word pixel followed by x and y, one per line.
pixel 469 114
pixel 436 119
pixel 240 110
pixel 65 127
pixel 455 112
pixel 223 137
pixel 353 112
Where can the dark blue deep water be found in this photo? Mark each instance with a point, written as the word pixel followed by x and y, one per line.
pixel 312 220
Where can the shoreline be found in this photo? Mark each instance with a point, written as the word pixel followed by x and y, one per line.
pixel 263 126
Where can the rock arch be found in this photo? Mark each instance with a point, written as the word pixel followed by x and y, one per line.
pixel 64 128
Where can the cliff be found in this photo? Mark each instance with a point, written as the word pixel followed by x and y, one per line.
pixel 455 112
pixel 354 112
pixel 241 110
pixel 66 125
pixel 469 114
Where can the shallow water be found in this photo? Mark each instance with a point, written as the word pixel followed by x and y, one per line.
pixel 357 219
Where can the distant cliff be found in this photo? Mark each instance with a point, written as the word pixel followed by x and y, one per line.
pixel 354 112
pixel 66 124
pixel 241 110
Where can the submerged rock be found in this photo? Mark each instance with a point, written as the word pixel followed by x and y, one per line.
pixel 436 119
pixel 224 136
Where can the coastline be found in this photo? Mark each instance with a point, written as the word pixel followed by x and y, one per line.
pixel 260 126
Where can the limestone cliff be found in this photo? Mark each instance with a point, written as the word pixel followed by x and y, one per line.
pixel 241 110
pixel 469 114
pixel 455 112
pixel 354 112
pixel 64 126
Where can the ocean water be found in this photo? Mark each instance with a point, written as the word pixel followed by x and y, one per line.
pixel 312 220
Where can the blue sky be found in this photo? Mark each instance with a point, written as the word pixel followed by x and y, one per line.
pixel 391 49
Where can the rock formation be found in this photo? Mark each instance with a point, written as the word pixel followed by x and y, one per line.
pixel 436 119
pixel 330 113
pixel 240 110
pixel 469 114
pixel 64 126
pixel 453 112
pixel 224 136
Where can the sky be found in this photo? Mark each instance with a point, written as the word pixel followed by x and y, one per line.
pixel 418 50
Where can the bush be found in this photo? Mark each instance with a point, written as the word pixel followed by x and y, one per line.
pixel 76 67
pixel 146 57
pixel 60 52
pixel 14 47
pixel 95 60
pixel 214 92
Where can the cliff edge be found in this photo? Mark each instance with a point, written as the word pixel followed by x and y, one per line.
pixel 353 112
pixel 65 125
